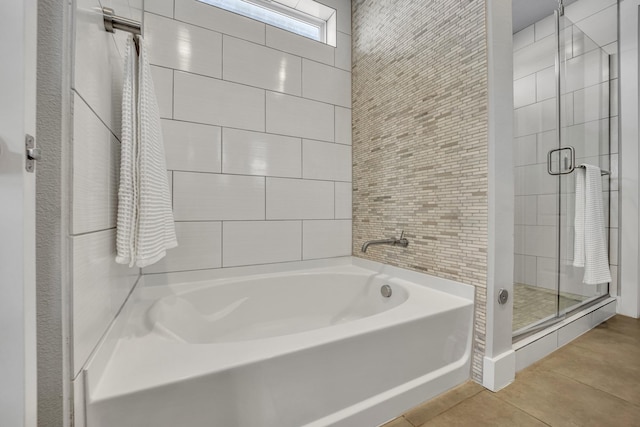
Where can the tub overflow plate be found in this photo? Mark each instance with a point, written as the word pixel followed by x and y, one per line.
pixel 386 291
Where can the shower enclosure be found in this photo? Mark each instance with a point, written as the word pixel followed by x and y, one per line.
pixel 562 118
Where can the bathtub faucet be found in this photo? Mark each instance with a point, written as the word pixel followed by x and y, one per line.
pixel 402 241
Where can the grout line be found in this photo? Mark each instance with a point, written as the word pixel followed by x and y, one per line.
pixel 221 245
pixel 593 387
pixel 259 87
pixel 451 407
pixel 259 176
pixel 173 93
pixel 222 144
pixel 519 409
pixel 92 232
pixel 222 43
pixel 95 113
pixel 267 132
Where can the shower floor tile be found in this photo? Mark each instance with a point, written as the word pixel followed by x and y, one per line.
pixel 532 304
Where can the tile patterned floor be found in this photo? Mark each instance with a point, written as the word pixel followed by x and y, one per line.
pixel 593 381
pixel 532 303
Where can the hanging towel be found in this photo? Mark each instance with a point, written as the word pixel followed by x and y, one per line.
pixel 590 243
pixel 144 201
pixel 127 219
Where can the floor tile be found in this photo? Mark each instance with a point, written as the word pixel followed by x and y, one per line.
pixel 622 348
pixel 428 410
pixel 592 381
pixel 622 324
pixel 398 422
pixel 483 409
pixel 599 372
pixel 561 401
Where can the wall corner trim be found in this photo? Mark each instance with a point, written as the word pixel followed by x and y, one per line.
pixel 499 371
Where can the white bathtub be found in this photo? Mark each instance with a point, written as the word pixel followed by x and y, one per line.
pixel 316 347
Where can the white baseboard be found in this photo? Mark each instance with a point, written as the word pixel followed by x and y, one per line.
pixel 500 371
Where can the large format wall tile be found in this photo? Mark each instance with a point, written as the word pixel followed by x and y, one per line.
pixel 203 196
pixel 255 65
pixel 160 7
pixel 343 200
pixel 524 91
pixel 216 102
pixel 327 84
pixel 343 125
pixel 192 146
pixel 163 84
pixel 301 46
pixel 325 239
pixel 261 242
pixel 322 160
pixel 343 51
pixel 257 153
pixel 100 287
pixel 199 247
pixel 290 115
pixel 174 44
pixel 98 65
pixel 96 162
pixel 222 21
pixel 299 199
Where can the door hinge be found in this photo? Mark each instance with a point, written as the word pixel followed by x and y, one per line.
pixel 31 152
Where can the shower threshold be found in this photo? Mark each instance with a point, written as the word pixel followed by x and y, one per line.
pixel 551 320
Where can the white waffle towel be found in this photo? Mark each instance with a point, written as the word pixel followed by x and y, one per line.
pixel 590 243
pixel 145 227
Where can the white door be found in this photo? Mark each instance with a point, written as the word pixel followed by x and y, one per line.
pixel 18 29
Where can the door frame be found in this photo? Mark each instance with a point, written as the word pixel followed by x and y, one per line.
pixel 18 41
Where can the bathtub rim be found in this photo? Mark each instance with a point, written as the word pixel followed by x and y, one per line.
pixel 437 283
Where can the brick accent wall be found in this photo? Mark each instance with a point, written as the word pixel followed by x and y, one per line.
pixel 420 139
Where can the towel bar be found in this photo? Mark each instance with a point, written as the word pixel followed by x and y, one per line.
pixel 113 22
pixel 602 171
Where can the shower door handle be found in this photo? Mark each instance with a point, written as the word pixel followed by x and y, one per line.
pixel 566 170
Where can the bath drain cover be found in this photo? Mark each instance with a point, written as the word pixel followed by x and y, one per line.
pixel 386 291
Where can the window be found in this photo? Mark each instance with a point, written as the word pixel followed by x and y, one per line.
pixel 307 18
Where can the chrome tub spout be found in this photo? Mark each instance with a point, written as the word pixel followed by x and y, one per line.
pixel 402 241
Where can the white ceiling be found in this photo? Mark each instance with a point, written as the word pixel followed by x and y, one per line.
pixel 526 12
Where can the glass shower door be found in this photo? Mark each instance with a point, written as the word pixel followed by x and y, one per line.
pixel 561 120
pixel 584 125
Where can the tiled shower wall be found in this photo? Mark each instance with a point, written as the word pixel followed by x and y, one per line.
pixel 420 140
pixel 99 286
pixel 257 130
pixel 591 127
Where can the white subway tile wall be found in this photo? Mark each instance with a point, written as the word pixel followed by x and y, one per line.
pixel 589 112
pixel 99 286
pixel 257 129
